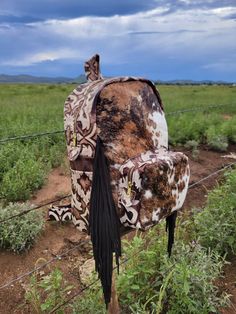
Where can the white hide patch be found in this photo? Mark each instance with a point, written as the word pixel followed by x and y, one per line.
pixel 155 214
pixel 147 194
pixel 160 133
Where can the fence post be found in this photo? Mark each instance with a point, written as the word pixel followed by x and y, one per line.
pixel 114 307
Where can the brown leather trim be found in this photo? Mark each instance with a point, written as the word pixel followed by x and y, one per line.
pixel 82 164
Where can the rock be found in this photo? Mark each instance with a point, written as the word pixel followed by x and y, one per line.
pixel 86 270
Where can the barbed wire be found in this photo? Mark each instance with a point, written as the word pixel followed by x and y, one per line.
pixel 196 109
pixel 68 195
pixel 90 285
pixel 57 257
pixel 168 269
pixel 34 208
pixel 211 175
pixel 31 136
pixel 96 280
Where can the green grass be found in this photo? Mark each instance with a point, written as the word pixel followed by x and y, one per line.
pixel 30 109
pixel 20 233
pixel 150 282
pixel 216 224
pixel 215 127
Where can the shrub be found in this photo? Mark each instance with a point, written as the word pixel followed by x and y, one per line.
pixel 216 223
pixel 229 129
pixel 153 283
pixel 91 301
pixel 150 282
pixel 22 179
pixel 20 233
pixel 9 154
pixel 216 140
pixel 47 292
pixel 193 145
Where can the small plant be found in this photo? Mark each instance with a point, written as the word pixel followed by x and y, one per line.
pixel 216 140
pixel 150 282
pixel 20 233
pixel 193 145
pixel 91 301
pixel 45 293
pixel 25 176
pixel 216 223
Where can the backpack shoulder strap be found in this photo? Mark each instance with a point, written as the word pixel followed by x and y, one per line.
pixel 92 69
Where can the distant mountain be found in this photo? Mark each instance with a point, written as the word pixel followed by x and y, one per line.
pixel 192 82
pixel 38 79
pixel 82 79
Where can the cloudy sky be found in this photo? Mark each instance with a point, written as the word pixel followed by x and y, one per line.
pixel 158 39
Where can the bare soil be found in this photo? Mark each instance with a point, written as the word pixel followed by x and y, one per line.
pixel 57 238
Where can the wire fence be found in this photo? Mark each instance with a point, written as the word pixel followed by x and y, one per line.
pixel 35 208
pixel 56 258
pixel 29 136
pixel 59 257
pixel 64 254
pixel 195 109
pixel 26 137
pixel 68 195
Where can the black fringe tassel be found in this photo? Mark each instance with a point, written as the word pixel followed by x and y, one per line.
pixel 104 224
pixel 170 227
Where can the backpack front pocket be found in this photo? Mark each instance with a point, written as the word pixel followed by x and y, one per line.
pixel 151 187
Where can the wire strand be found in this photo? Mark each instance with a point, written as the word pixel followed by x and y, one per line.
pixel 196 109
pixel 210 175
pixel 57 257
pixel 34 208
pixel 30 136
pixel 91 284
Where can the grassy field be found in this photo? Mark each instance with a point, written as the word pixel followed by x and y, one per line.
pixel 29 109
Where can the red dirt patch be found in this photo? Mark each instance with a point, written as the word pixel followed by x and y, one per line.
pixel 227 117
pixel 58 184
pixel 58 238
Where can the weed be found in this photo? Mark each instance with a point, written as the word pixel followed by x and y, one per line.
pixel 216 224
pixel 45 293
pixel 20 233
pixel 216 140
pixel 29 109
pixel 193 145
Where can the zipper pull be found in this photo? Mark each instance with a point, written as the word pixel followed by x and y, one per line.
pixel 129 188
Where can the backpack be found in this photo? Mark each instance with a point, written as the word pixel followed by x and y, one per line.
pixel 122 174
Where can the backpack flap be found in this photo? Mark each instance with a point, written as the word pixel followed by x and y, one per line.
pixel 152 186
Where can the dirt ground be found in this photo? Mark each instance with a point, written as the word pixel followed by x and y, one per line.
pixel 57 238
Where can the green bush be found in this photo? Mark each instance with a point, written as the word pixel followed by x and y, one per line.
pixel 91 301
pixel 45 293
pixel 22 179
pixel 193 145
pixel 20 233
pixel 229 129
pixel 216 223
pixel 216 140
pixel 153 283
pixel 150 282
pixel 9 154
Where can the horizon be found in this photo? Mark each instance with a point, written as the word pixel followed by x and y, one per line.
pixel 80 75
pixel 159 40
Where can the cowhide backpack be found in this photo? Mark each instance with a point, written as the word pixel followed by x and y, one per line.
pixel 122 173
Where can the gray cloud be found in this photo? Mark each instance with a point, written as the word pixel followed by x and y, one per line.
pixel 188 44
